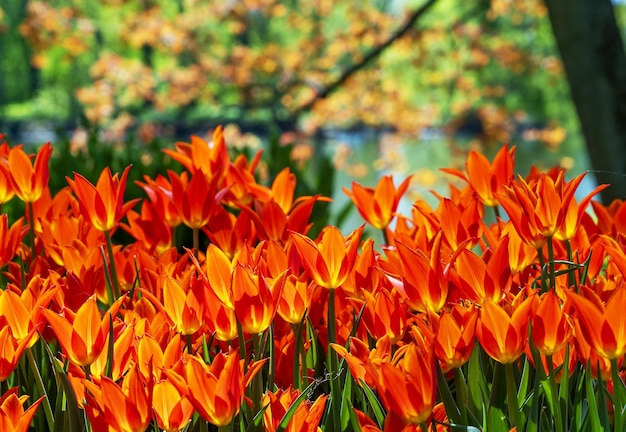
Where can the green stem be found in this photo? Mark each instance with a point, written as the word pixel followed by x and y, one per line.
pixel 297 356
pixel 551 262
pixel 42 388
pixel 272 357
pixel 189 344
pixel 542 263
pixel 511 396
pixel 619 400
pixel 257 381
pixel 31 231
pixel 331 364
pixel 116 283
pixel 571 276
pixel 385 236
pixel 496 211
pixel 556 403
pixel 196 241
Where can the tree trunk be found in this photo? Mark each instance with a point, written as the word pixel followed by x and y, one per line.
pixel 592 52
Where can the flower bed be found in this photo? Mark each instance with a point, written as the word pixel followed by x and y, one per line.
pixel 454 322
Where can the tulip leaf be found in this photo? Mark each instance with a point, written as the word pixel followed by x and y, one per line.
pixel 592 413
pixel 496 417
pixel 375 404
pixel 345 410
pixel 284 422
pixel 354 421
pixel 73 411
pixel 452 410
pixel 257 420
pixel 476 383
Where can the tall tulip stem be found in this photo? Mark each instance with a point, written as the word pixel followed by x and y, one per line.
pixel 116 282
pixel 335 388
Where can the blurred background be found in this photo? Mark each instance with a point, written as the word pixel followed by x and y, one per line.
pixel 339 90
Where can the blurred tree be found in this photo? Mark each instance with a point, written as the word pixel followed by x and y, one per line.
pixel 592 51
pixel 402 66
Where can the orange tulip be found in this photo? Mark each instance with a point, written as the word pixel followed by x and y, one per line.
pixel 602 326
pixel 216 391
pixel 172 410
pixel 194 199
pixel 23 312
pixel 385 314
pixel 7 191
pixel 103 204
pixel 364 364
pixel 10 238
pixel 538 209
pixel 211 159
pixel 455 336
pixel 488 179
pixel 11 350
pixel 149 228
pixel 184 308
pixel 378 205
pixel 256 298
pixel 408 385
pixel 501 335
pixel 295 300
pixel 306 417
pixel 480 281
pixel 330 260
pixel 551 327
pixel 159 193
pixel 13 417
pixel 29 180
pixel 126 407
pixel 421 279
pixel 83 336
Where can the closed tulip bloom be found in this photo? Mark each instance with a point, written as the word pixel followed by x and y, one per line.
pixel 29 180
pixel 408 386
pixel 551 327
pixel 84 336
pixel 184 307
pixel 455 336
pixel 216 391
pixel 194 198
pixel 602 326
pixel 10 238
pixel 256 298
pixel 127 406
pixel 172 410
pixel 501 335
pixel 330 260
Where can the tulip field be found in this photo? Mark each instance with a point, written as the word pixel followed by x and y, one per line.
pixel 502 308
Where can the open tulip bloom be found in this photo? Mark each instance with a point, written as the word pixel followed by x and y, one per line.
pixel 451 323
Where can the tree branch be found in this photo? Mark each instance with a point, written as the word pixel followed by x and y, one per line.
pixel 369 57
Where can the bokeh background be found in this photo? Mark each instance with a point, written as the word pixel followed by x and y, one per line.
pixel 340 90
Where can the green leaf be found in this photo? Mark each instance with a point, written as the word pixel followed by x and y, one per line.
pixel 256 422
pixel 346 395
pixel 377 407
pixel 74 416
pixel 452 410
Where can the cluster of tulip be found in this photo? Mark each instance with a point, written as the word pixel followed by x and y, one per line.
pixel 454 322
